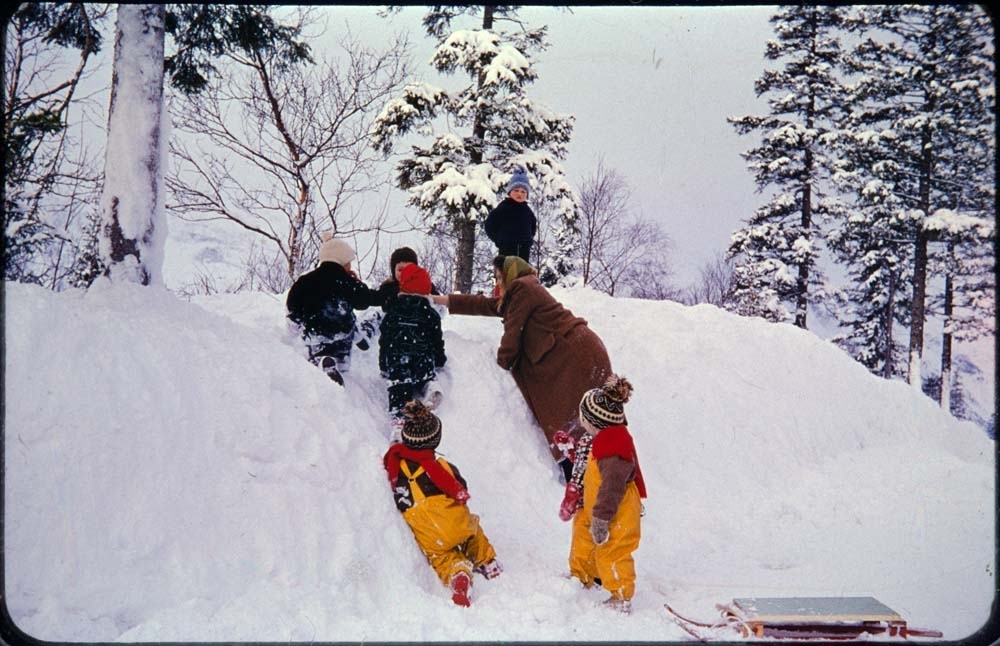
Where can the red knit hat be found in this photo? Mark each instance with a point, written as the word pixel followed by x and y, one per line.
pixel 414 279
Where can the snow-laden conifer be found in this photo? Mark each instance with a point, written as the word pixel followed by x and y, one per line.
pixel 776 274
pixel 470 136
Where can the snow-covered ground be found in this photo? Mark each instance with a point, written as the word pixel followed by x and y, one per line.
pixel 178 471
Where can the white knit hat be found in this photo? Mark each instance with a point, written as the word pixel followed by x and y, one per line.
pixel 336 251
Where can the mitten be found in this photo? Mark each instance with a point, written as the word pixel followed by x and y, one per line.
pixel 564 442
pixel 462 496
pixel 599 530
pixel 570 502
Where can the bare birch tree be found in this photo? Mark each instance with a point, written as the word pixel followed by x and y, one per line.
pixel 282 152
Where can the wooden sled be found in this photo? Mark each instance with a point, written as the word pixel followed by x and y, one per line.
pixel 802 618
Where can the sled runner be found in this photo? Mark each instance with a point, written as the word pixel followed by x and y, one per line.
pixel 801 618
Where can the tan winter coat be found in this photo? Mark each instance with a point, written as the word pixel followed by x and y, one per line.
pixel 552 354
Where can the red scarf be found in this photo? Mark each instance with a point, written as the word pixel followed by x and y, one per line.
pixel 444 480
pixel 616 440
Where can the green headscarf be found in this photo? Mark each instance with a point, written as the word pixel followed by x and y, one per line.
pixel 515 267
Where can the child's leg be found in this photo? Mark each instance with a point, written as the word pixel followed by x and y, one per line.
pixel 399 394
pixel 581 551
pixel 440 530
pixel 615 565
pixel 448 563
pixel 478 548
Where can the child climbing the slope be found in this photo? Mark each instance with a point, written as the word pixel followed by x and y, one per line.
pixel 411 344
pixel 606 529
pixel 431 494
pixel 321 304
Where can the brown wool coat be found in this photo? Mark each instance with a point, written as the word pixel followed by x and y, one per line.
pixel 553 355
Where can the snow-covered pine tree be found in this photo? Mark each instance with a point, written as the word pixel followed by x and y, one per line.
pixel 776 253
pixel 877 296
pixel 454 180
pixel 967 262
pixel 921 91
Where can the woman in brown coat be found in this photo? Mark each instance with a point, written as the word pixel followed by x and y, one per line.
pixel 553 355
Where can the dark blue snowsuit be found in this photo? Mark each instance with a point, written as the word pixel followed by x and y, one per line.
pixel 411 348
pixel 511 226
pixel 322 303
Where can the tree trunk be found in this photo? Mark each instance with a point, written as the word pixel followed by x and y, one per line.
pixel 466 229
pixel 133 232
pixel 949 297
pixel 464 255
pixel 917 308
pixel 802 285
pixel 889 322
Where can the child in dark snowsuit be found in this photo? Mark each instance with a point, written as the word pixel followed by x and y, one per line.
pixel 606 530
pixel 411 344
pixel 512 224
pixel 321 304
pixel 431 494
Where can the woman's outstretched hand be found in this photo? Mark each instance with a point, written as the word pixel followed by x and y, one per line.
pixel 440 299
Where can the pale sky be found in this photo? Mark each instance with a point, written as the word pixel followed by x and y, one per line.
pixel 650 88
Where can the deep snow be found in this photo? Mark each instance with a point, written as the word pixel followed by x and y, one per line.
pixel 178 471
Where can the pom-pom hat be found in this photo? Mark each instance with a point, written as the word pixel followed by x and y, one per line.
pixel 518 180
pixel 603 407
pixel 421 427
pixel 414 279
pixel 336 251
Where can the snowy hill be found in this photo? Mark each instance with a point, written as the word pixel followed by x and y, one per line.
pixel 178 471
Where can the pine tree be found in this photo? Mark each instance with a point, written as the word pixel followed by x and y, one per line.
pixel 922 94
pixel 454 180
pixel 778 250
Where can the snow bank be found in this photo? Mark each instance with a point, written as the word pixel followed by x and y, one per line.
pixel 177 471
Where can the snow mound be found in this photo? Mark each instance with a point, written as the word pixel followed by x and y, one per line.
pixel 177 471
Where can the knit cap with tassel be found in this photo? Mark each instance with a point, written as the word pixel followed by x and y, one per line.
pixel 421 427
pixel 605 406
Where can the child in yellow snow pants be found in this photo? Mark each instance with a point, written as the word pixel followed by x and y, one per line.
pixel 606 529
pixel 448 534
pixel 431 494
pixel 610 562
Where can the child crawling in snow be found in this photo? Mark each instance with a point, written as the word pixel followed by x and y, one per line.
pixel 431 494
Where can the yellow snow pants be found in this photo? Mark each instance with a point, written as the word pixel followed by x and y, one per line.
pixel 611 562
pixel 448 534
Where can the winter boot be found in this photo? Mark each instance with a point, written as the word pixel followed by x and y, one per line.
pixel 329 366
pixel 434 395
pixel 623 606
pixel 460 584
pixel 490 570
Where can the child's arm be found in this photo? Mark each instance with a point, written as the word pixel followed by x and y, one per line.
pixel 616 473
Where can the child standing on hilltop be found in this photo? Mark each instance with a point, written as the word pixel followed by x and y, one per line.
pixel 411 344
pixel 431 494
pixel 606 529
pixel 512 224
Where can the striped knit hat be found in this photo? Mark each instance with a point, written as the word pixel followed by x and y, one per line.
pixel 421 427
pixel 603 407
